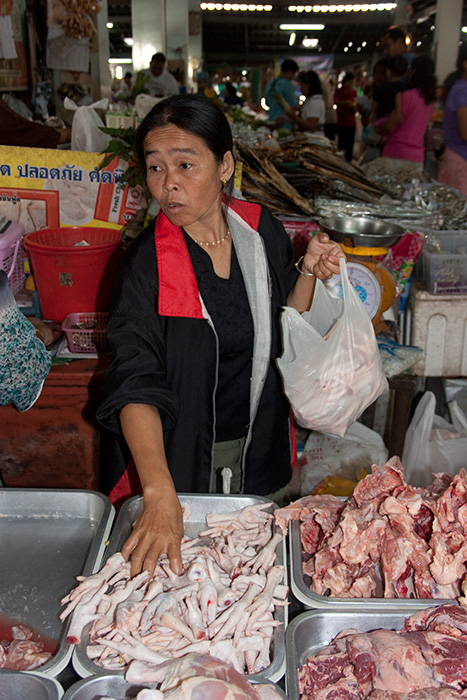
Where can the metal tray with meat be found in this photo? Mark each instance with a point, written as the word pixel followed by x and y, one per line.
pixel 47 538
pixel 300 587
pixel 383 655
pixel 112 686
pixel 16 685
pixel 234 601
pixel 390 546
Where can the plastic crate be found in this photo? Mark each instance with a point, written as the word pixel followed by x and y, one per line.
pixel 446 272
pixel 86 339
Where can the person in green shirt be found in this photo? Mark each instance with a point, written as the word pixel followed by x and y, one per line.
pixel 281 87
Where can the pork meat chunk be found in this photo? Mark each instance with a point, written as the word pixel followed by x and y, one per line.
pixel 385 659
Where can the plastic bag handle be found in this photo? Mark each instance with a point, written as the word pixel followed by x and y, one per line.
pixel 15 255
pixel 347 288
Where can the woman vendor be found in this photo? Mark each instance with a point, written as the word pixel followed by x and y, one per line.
pixel 194 331
pixel 310 116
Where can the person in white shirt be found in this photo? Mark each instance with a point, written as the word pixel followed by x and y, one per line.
pixel 160 82
pixel 310 116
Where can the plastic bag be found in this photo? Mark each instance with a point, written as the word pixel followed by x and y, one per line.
pixel 345 457
pixel 331 366
pixel 397 358
pixel 86 134
pixel 432 444
pixel 144 103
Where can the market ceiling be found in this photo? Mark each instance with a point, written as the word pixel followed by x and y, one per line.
pixel 242 38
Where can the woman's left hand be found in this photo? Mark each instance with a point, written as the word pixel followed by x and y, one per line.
pixel 322 256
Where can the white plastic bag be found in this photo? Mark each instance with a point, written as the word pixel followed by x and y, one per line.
pixel 85 129
pixel 432 444
pixel 331 365
pixel 327 455
pixel 144 103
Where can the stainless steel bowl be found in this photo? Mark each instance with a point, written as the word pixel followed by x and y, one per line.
pixel 354 231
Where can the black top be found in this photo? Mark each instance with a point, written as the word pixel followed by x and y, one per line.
pixel 169 361
pixel 227 303
pixel 385 96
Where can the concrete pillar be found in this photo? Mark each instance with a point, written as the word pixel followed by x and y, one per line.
pixel 148 21
pixel 195 43
pixel 447 35
pixel 100 71
pixel 400 14
pixel 177 33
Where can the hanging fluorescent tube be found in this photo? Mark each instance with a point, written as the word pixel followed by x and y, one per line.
pixel 294 27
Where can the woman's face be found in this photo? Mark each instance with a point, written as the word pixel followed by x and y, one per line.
pixel 184 176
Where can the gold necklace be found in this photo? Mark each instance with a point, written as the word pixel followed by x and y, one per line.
pixel 216 242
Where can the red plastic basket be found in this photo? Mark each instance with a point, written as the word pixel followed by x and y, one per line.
pixel 86 339
pixel 74 278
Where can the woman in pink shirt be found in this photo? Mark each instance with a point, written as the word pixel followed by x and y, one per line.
pixel 404 130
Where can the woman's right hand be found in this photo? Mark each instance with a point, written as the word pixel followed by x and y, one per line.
pixel 158 531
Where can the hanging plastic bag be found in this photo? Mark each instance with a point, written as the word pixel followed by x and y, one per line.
pixel 331 365
pixel 86 134
pixel 432 444
pixel 345 457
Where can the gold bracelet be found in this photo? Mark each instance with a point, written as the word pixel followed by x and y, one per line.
pixel 297 267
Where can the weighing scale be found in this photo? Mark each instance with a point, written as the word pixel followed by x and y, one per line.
pixel 364 241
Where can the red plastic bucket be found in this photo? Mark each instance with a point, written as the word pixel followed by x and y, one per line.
pixel 74 278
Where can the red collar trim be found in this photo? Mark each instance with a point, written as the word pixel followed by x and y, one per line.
pixel 178 288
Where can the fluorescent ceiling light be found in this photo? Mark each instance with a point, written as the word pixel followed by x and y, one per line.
pixel 292 38
pixel 347 7
pixel 129 41
pixel 294 27
pixel 110 25
pixel 464 29
pixel 120 60
pixel 236 7
pixel 310 42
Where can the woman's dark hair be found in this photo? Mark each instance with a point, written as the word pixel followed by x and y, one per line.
pixel 422 77
pixel 348 76
pixel 397 65
pixel 194 114
pixel 457 74
pixel 310 78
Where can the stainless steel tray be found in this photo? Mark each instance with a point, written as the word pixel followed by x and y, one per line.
pixel 355 231
pixel 300 587
pixel 315 629
pixel 200 505
pixel 47 538
pixel 117 687
pixel 16 685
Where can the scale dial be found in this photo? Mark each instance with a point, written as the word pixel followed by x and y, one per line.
pixel 365 284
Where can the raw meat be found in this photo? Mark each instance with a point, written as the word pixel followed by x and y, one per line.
pixel 425 660
pixel 22 653
pixel 223 604
pixel 388 540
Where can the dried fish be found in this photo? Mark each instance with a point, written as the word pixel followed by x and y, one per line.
pixel 262 181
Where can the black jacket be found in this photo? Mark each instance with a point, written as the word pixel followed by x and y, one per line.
pixel 165 350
